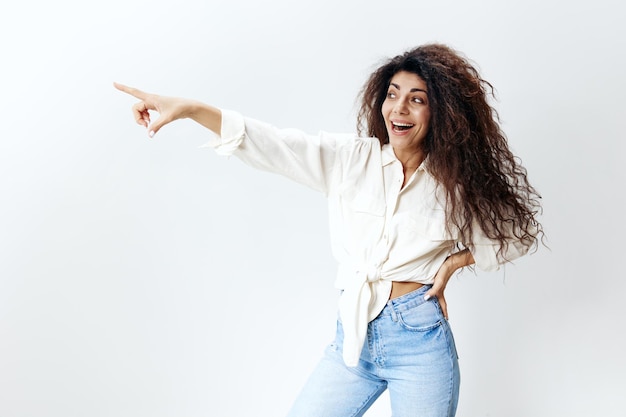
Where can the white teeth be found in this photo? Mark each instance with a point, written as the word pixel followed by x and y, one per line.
pixel 402 124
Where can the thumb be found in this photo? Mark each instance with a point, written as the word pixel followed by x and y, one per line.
pixel 155 126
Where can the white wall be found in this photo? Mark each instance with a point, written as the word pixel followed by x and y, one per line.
pixel 147 277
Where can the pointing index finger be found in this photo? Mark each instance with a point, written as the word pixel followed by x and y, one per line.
pixel 130 90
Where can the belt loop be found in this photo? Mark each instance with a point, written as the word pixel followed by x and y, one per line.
pixel 394 315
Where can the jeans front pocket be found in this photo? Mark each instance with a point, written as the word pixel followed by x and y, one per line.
pixel 421 318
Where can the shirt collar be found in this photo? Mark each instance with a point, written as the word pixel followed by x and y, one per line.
pixel 388 156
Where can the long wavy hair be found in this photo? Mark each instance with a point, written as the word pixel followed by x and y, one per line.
pixel 485 184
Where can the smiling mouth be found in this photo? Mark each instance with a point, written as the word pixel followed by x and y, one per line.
pixel 401 127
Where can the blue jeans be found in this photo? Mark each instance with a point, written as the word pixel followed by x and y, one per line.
pixel 409 350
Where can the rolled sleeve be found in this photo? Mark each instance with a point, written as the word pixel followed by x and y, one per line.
pixel 310 160
pixel 488 257
pixel 231 135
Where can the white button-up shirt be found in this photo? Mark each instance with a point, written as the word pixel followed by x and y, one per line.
pixel 380 231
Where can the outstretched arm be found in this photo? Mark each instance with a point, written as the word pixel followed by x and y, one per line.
pixel 307 159
pixel 171 109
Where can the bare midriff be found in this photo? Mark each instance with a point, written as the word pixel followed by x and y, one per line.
pixel 401 288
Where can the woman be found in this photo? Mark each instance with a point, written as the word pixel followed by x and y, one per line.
pixel 431 188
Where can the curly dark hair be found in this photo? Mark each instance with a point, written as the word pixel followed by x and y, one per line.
pixel 468 154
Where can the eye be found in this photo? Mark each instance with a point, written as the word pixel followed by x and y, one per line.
pixel 391 94
pixel 418 100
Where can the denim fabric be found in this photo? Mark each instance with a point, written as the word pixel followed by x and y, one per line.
pixel 409 350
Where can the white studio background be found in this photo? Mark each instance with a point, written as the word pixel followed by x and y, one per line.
pixel 150 277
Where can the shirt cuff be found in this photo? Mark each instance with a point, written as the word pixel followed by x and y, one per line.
pixel 487 258
pixel 231 135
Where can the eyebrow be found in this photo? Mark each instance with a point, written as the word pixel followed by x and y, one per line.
pixel 413 90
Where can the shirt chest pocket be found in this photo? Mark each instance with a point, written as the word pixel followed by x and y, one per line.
pixel 362 200
pixel 363 216
pixel 431 227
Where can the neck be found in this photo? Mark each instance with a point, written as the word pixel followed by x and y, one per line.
pixel 410 160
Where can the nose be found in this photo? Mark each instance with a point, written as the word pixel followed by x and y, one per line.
pixel 400 107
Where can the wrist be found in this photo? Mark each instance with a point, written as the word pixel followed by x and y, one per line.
pixel 204 114
pixel 459 260
pixel 191 109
